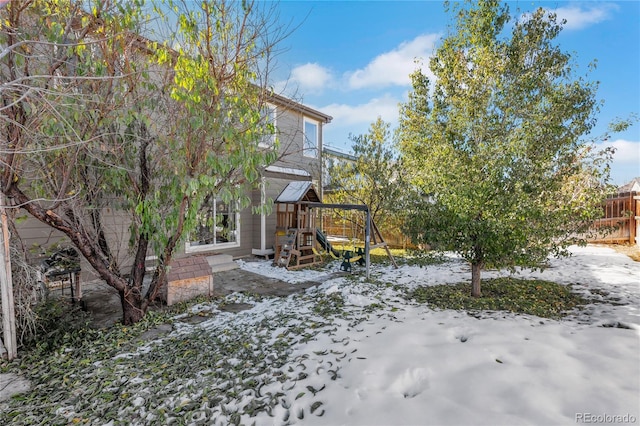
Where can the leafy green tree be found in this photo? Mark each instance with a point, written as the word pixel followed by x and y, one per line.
pixel 495 147
pixel 95 117
pixel 372 177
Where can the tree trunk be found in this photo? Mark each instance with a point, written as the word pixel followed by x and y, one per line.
pixel 132 311
pixel 133 308
pixel 476 270
pixel 139 268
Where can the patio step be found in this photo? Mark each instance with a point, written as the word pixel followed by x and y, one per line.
pixel 221 262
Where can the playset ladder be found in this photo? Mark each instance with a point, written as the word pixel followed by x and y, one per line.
pixel 288 245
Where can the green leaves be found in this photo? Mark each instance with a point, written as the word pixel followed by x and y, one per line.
pixel 102 120
pixel 534 297
pixel 495 149
pixel 373 178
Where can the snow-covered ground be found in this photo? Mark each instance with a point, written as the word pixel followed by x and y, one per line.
pixel 357 352
pixel 416 366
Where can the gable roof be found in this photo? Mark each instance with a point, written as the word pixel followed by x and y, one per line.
pixel 337 153
pixel 298 191
pixel 634 185
pixel 299 107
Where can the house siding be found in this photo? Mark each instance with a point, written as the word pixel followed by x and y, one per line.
pixel 39 238
pixel 290 134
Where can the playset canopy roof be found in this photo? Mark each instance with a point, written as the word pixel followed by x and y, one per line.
pixel 298 191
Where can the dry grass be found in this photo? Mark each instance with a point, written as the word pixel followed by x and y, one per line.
pixel 633 251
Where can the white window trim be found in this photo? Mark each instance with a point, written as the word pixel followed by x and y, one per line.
pixel 188 248
pixel 263 250
pixel 263 216
pixel 304 138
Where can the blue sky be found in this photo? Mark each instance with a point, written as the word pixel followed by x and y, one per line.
pixel 352 60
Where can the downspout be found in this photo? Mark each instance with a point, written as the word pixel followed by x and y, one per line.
pixel 263 216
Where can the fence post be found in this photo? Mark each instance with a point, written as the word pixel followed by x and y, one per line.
pixel 634 217
pixel 6 286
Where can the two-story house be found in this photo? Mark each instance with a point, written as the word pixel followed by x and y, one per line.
pixel 241 233
pixel 224 227
pixel 233 232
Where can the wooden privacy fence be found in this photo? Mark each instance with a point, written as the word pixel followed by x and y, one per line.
pixel 346 230
pixel 620 224
pixel 620 221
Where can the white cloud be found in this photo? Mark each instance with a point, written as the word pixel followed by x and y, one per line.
pixel 393 68
pixel 578 18
pixel 626 151
pixel 626 160
pixel 310 78
pixel 346 115
pixel 387 69
pixel 356 119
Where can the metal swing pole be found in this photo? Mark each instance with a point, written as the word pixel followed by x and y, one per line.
pixel 367 241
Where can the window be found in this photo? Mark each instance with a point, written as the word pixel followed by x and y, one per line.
pixel 310 148
pixel 219 226
pixel 268 140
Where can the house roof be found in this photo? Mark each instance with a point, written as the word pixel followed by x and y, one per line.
pixel 298 191
pixel 287 171
pixel 336 152
pixel 634 185
pixel 296 106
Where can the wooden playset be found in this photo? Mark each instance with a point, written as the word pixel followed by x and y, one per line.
pixel 298 237
pixel 296 244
